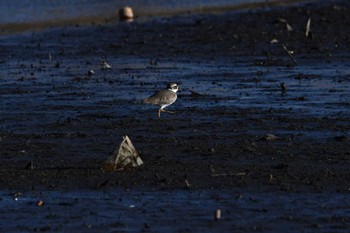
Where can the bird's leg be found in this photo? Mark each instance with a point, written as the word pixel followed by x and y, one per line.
pixel 160 110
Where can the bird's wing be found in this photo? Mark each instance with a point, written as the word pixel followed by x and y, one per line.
pixel 161 97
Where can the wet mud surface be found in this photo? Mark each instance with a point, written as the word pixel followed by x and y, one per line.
pixel 234 129
pixel 174 211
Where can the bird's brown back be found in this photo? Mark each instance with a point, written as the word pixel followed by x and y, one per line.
pixel 162 97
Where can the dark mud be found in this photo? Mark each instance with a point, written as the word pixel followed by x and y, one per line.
pixel 174 211
pixel 59 124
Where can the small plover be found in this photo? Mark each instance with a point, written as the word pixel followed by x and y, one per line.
pixel 164 97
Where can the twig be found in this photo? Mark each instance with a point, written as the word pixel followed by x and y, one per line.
pixel 268 58
pixel 308 25
pixel 229 174
pixel 289 54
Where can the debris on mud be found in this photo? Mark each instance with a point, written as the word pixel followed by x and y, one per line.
pixel 126 156
pixel 217 214
pixel 105 65
pixel 270 137
pixel 308 30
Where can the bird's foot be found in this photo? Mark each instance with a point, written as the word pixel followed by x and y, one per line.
pixel 163 110
pixel 167 111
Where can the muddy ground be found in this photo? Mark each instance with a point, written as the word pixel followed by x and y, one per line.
pixel 59 124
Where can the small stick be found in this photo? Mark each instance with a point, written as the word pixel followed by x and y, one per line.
pixel 268 57
pixel 290 55
pixel 308 24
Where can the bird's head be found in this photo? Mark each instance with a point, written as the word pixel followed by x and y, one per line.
pixel 173 87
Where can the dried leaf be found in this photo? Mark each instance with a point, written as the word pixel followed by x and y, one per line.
pixel 274 41
pixel 281 20
pixel 289 28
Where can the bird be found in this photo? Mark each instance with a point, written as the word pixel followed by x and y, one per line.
pixel 164 97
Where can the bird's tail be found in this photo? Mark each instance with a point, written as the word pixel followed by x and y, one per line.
pixel 147 101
